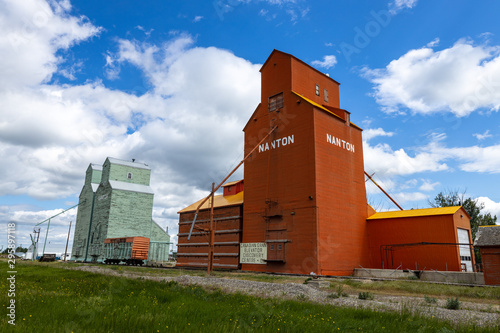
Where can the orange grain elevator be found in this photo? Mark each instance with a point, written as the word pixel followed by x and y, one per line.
pixel 305 199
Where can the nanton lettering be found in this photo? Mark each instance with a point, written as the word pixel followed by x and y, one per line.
pixel 340 143
pixel 287 140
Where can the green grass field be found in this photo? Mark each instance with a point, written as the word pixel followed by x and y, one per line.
pixel 51 299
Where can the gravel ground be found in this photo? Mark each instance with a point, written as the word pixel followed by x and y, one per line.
pixel 470 312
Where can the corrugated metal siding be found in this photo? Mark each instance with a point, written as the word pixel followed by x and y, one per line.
pixel 227 238
pixel 80 238
pixel 491 264
pixel 126 248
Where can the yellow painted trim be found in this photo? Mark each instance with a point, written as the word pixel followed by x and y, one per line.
pixel 323 108
pixel 415 213
pixel 219 201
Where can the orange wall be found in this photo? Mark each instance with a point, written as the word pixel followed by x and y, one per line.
pixel 304 82
pixel 318 187
pixel 341 196
pixel 276 76
pixel 432 229
pixel 284 175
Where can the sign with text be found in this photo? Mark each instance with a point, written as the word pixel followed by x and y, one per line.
pixel 253 253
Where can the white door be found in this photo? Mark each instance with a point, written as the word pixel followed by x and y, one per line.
pixel 465 253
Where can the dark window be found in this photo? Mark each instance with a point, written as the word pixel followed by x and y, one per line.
pixel 279 246
pixel 129 175
pixel 276 102
pixel 317 90
pixel 272 246
pixel 325 95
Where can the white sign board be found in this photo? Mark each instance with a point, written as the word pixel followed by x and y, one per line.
pixel 253 253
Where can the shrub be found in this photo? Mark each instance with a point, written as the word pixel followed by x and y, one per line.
pixel 365 295
pixel 430 300
pixel 452 304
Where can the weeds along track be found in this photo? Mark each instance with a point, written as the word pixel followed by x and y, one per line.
pixel 480 314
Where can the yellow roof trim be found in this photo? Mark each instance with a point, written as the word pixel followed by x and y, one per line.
pixel 219 201
pixel 323 108
pixel 415 213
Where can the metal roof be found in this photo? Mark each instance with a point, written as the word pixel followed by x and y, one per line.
pixel 297 59
pixel 219 201
pixel 123 186
pixel 96 166
pixel 488 236
pixel 415 213
pixel 128 163
pixel 232 183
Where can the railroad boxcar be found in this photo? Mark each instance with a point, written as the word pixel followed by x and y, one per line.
pixel 130 250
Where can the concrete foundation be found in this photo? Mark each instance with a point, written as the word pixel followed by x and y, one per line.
pixel 431 276
pixel 453 277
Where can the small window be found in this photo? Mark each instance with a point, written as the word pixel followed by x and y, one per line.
pixel 229 188
pixel 129 175
pixel 276 102
pixel 325 95
pixel 279 247
pixel 272 246
pixel 317 90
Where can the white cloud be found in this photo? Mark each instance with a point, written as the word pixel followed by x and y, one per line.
pixel 32 32
pixel 197 18
pixel 382 159
pixel 471 159
pixel 398 5
pixel 146 32
pixel 328 62
pixel 434 42
pixel 491 207
pixel 404 197
pixel 425 81
pixel 371 133
pixel 483 136
pixel 428 186
pixel 186 126
pixel 53 132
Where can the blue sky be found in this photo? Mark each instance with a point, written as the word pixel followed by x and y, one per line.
pixel 172 84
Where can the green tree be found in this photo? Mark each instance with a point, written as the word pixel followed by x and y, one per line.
pixel 471 206
pixel 21 249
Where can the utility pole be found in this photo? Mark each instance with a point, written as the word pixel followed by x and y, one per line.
pixel 36 231
pixel 67 241
pixel 211 239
